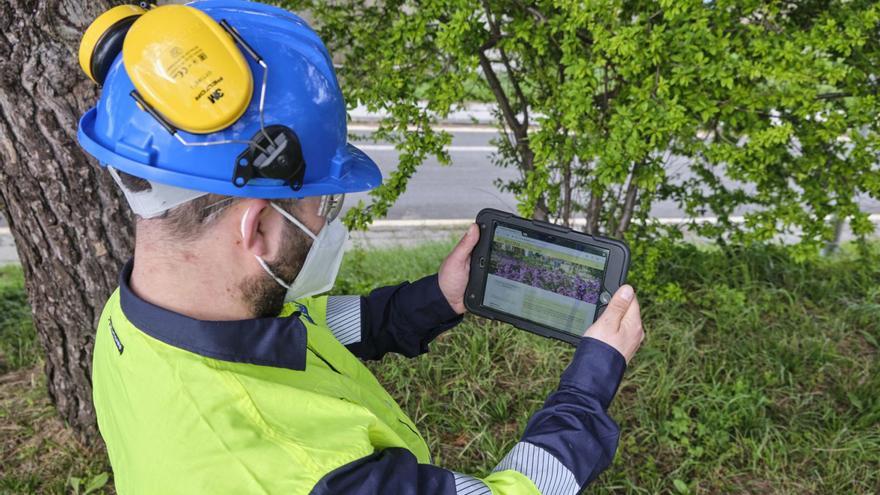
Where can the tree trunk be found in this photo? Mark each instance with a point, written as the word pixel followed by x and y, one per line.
pixel 71 227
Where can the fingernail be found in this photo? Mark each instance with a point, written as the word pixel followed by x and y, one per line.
pixel 626 292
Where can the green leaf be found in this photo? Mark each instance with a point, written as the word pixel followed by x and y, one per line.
pixel 75 484
pixel 96 482
pixel 681 486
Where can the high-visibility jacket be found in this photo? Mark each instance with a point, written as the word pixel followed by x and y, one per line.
pixel 284 406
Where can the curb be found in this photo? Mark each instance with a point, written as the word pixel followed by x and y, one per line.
pixel 383 233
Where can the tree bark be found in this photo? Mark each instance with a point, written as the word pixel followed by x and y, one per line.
pixel 71 227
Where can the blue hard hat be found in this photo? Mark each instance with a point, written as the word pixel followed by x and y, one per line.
pixel 302 94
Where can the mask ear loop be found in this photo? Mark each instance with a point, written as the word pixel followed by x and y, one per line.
pixel 259 258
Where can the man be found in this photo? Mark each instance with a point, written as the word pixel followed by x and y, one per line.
pixel 218 367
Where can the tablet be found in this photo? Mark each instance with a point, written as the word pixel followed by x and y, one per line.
pixel 541 277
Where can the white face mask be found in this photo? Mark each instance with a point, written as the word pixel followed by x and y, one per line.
pixel 319 270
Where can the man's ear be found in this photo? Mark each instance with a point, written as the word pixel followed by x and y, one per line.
pixel 253 230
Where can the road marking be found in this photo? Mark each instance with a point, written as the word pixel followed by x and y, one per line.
pixel 433 223
pixel 451 149
pixel 462 129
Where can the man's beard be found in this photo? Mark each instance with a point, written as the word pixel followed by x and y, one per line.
pixel 262 293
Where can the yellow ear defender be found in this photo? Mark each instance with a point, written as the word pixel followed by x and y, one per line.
pixel 186 68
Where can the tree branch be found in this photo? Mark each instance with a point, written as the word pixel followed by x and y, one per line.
pixel 833 96
pixel 492 78
pixel 524 104
pixel 629 202
pixel 593 209
pixel 500 95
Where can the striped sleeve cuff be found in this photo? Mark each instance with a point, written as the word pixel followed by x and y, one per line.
pixel 468 485
pixel 344 318
pixel 549 475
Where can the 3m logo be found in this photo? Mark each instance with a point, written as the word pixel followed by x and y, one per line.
pixel 216 95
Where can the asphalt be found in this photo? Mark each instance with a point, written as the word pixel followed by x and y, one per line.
pixel 468 184
pixel 439 199
pixel 455 191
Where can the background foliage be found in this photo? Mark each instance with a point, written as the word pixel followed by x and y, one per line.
pixel 773 104
pixel 760 375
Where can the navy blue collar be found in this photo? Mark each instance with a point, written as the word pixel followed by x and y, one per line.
pixel 278 342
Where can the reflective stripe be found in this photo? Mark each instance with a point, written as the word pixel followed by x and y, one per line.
pixel 344 318
pixel 468 485
pixel 546 472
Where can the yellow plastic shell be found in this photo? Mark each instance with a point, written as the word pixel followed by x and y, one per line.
pixel 97 28
pixel 188 68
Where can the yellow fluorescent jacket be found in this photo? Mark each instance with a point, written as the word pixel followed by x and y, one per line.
pixel 301 414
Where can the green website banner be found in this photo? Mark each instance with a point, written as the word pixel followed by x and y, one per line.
pixel 551 253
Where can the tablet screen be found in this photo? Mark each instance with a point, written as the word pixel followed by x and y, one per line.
pixel 555 284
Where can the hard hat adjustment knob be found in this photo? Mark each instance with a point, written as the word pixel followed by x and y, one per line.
pixel 274 153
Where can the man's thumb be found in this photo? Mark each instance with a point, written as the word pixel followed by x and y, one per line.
pixel 463 250
pixel 618 305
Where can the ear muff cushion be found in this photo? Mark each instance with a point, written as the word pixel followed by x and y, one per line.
pixel 108 46
pixel 97 29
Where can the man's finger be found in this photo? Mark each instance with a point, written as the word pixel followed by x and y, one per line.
pixel 632 319
pixel 618 306
pixel 462 250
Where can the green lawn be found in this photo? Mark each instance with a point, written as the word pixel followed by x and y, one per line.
pixel 761 375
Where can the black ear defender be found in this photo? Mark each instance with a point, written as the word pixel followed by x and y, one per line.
pixel 103 40
pixel 108 46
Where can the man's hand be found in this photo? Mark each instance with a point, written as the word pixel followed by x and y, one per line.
pixel 455 270
pixel 620 326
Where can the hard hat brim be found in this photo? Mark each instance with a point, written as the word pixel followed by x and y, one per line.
pixel 357 172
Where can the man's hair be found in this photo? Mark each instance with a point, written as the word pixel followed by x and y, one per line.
pixel 188 220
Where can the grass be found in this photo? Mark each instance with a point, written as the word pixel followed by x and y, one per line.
pixel 18 347
pixel 38 454
pixel 759 375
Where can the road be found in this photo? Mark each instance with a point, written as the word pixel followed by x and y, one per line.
pixel 463 188
pixel 467 185
pixel 455 192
